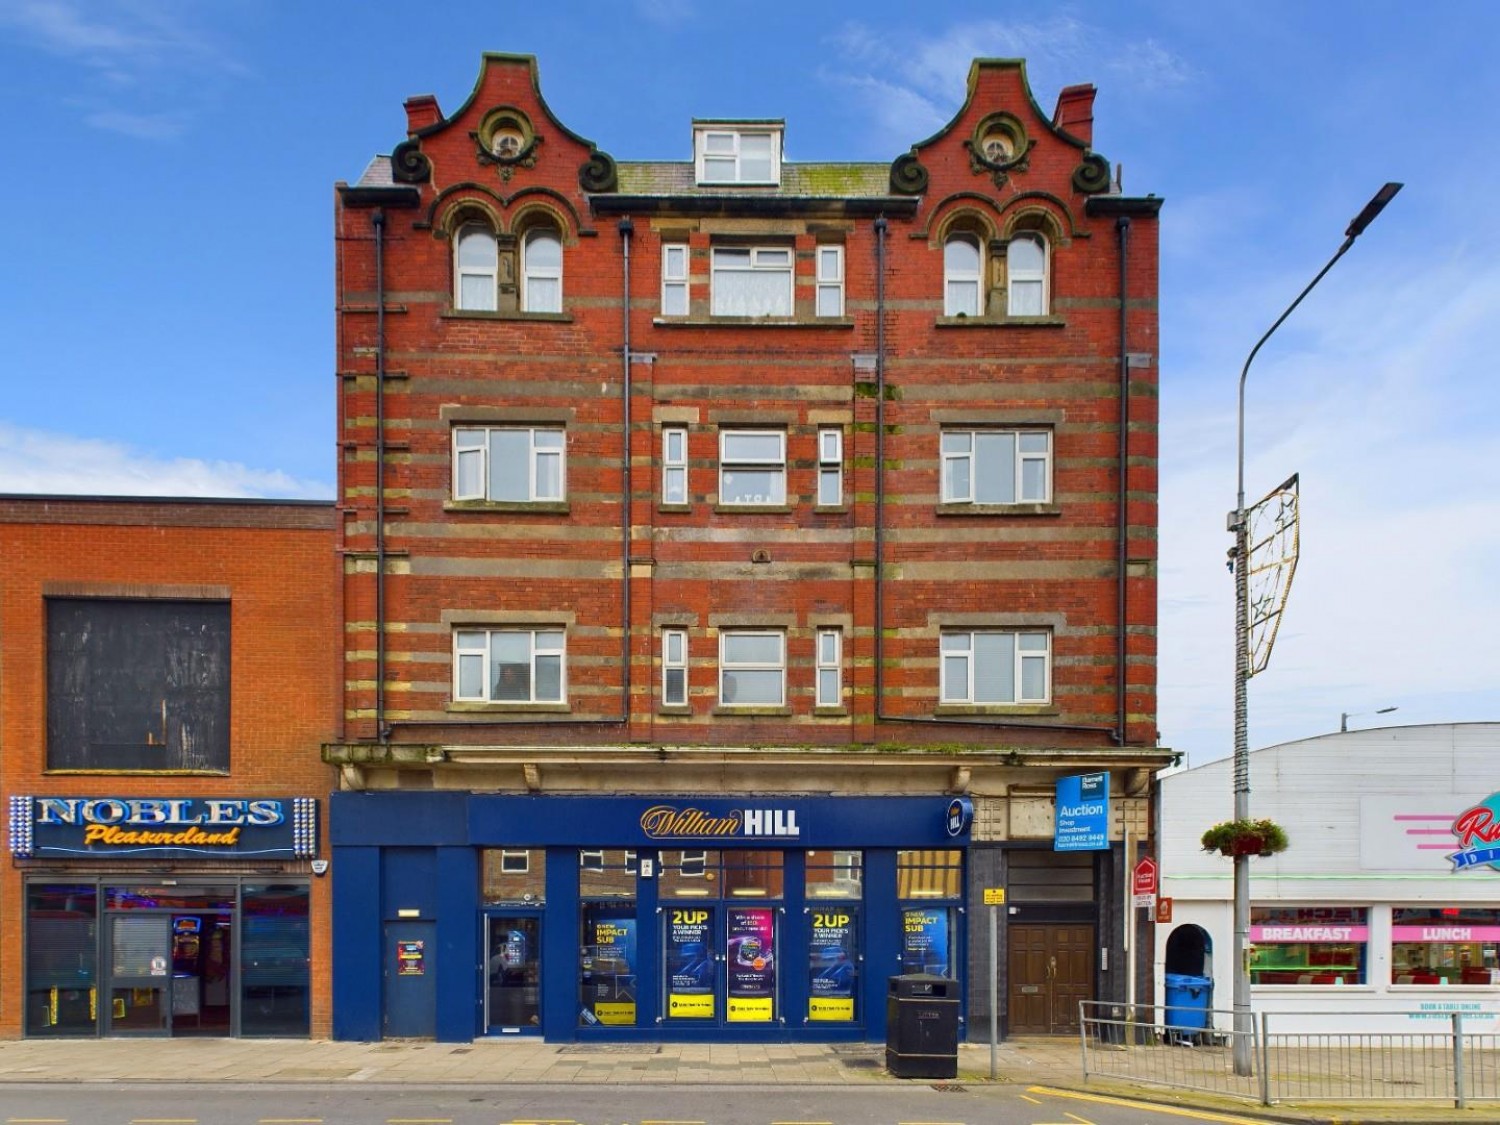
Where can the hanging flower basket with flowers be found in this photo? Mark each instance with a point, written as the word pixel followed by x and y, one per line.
pixel 1245 837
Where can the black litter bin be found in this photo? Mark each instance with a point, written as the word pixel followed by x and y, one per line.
pixel 1189 999
pixel 921 1026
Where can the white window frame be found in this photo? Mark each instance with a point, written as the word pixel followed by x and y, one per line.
pixel 530 270
pixel 674 282
pixel 958 665
pixel 591 859
pixel 465 650
pixel 763 259
pixel 829 674
pixel 490 274
pixel 674 661
pixel 1041 275
pixel 777 466
pixel 726 666
pixel 953 275
pixel 698 859
pixel 508 856
pixel 953 492
pixel 476 457
pixel 830 467
pixel 674 465
pixel 727 145
pixel 829 273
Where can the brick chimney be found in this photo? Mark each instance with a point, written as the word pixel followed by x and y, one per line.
pixel 1075 112
pixel 422 111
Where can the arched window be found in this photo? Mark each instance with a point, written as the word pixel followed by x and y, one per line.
pixel 961 275
pixel 1026 275
pixel 541 271
pixel 476 262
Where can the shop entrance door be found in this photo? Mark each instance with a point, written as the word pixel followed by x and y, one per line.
pixel 1050 969
pixel 169 974
pixel 410 987
pixel 513 944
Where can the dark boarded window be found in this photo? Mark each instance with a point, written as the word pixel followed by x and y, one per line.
pixel 137 685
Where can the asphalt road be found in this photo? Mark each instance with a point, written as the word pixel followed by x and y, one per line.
pixel 345 1104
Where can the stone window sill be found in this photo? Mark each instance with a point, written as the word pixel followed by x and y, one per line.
pixel 751 509
pixel 754 322
pixel 1001 322
pixel 478 708
pixel 998 710
pixel 536 507
pixel 674 709
pixel 483 314
pixel 729 711
pixel 1028 509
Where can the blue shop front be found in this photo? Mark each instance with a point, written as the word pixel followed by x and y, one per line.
pixel 458 915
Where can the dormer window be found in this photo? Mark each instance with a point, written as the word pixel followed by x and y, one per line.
pixel 735 154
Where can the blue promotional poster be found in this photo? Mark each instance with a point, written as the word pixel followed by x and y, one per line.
pixel 925 945
pixel 1082 823
pixel 751 965
pixel 833 966
pixel 690 963
pixel 608 965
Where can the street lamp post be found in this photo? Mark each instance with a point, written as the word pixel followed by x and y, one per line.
pixel 1345 716
pixel 1239 524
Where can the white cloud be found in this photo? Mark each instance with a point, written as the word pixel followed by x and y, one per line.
pixel 666 13
pixel 135 52
pixel 914 84
pixel 61 464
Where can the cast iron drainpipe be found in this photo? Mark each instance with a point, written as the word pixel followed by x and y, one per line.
pixel 880 713
pixel 626 229
pixel 382 728
pixel 1122 230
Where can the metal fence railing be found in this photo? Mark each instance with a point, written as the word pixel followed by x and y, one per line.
pixel 1137 1043
pixel 1148 1044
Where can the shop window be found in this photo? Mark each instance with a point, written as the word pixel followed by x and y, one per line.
pixel 607 966
pixel 752 668
pixel 674 465
pixel 275 989
pixel 541 271
pixel 752 468
pixel 929 938
pixel 830 281
pixel 138 685
pixel 607 873
pixel 508 666
pixel 996 667
pixel 674 279
pixel 1308 944
pixel 62 979
pixel 513 875
pixel 689 874
pixel 476 266
pixel 830 467
pixel 511 464
pixel 1445 945
pixel 835 874
pixel 996 466
pixel 674 668
pixel 751 281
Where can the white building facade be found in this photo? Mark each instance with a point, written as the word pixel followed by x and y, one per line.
pixel 1384 911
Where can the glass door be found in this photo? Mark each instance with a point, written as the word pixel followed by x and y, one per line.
pixel 691 950
pixel 140 977
pixel 513 959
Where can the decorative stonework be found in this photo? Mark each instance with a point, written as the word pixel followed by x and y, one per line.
pixel 409 165
pixel 597 173
pixel 999 147
pixel 908 176
pixel 506 139
pixel 1092 176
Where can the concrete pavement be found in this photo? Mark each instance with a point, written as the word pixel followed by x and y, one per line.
pixel 1021 1063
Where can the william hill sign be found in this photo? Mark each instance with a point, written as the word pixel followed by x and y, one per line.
pixel 672 822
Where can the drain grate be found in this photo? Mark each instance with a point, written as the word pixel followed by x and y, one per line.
pixel 949 1087
pixel 609 1049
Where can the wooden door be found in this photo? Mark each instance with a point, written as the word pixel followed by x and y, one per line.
pixel 1050 968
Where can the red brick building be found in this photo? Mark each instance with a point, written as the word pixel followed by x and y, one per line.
pixel 763 537
pixel 167 674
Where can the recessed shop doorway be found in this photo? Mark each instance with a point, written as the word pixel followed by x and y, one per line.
pixel 513 973
pixel 1050 968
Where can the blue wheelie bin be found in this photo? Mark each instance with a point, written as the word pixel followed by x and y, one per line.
pixel 1189 999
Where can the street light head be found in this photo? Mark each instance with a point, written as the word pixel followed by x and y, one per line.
pixel 1372 209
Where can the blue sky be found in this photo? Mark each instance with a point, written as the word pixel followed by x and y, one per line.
pixel 166 263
